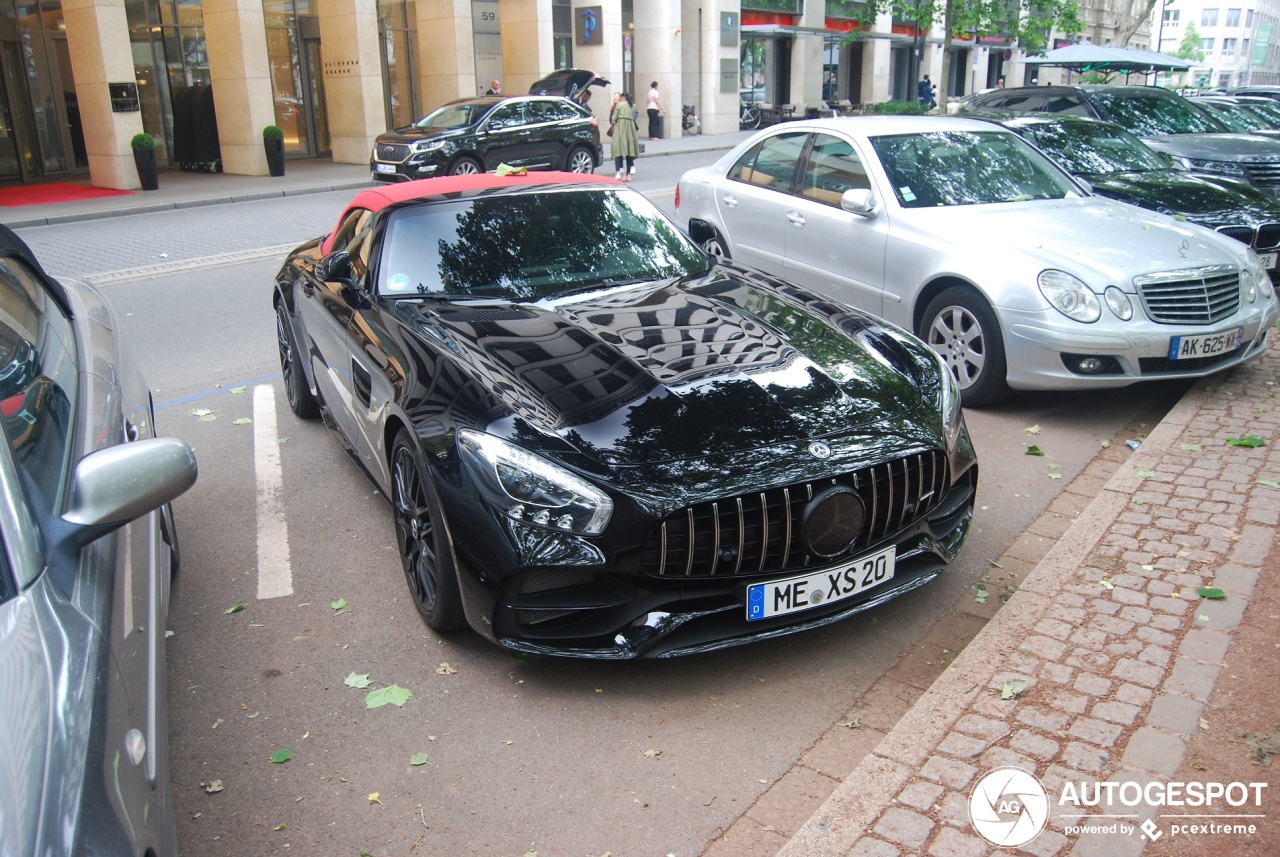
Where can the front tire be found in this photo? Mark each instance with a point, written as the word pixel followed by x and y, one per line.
pixel 580 161
pixel 961 326
pixel 425 551
pixel 301 402
pixel 465 166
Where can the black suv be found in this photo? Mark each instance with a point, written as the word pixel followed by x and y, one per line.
pixel 1166 122
pixel 473 135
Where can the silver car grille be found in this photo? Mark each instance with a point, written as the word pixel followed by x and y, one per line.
pixel 760 533
pixel 1195 296
pixel 391 153
pixel 1266 174
pixel 1268 236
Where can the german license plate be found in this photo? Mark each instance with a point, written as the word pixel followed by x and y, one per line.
pixel 1268 259
pixel 779 597
pixel 1207 345
pixel 384 168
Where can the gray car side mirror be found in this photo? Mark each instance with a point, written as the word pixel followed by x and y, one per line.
pixel 859 200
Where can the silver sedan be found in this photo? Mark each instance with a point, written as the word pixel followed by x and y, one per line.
pixel 968 236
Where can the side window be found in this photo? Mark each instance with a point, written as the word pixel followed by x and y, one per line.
pixel 358 244
pixel 347 229
pixel 37 379
pixel 541 112
pixel 1023 103
pixel 566 110
pixel 741 171
pixel 774 162
pixel 834 167
pixel 507 115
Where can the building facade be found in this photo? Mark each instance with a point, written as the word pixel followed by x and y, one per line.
pixel 81 77
pixel 1235 36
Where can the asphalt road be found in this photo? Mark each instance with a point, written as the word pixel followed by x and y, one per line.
pixel 523 754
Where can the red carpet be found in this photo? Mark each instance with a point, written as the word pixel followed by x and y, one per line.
pixel 43 194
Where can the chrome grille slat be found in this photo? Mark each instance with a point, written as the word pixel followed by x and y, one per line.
pixel 1200 296
pixel 895 494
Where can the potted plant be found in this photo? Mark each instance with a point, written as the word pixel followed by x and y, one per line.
pixel 144 158
pixel 273 140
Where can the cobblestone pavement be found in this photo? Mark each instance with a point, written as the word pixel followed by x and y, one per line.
pixel 1111 650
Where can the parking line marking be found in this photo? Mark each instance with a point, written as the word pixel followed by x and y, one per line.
pixel 275 575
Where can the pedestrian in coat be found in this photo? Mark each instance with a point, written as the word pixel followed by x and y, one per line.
pixel 626 140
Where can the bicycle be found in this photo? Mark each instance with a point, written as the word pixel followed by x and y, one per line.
pixel 749 118
pixel 689 120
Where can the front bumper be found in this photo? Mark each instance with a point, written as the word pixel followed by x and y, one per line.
pixel 417 167
pixel 1042 348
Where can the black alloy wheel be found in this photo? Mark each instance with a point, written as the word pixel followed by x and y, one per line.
pixel 421 538
pixel 716 248
pixel 960 326
pixel 465 166
pixel 580 161
pixel 301 402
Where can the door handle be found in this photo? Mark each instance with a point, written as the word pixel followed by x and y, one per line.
pixel 796 217
pixel 729 200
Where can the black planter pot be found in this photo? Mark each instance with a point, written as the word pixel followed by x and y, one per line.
pixel 145 161
pixel 275 156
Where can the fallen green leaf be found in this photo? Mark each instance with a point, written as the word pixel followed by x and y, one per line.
pixel 1268 483
pixel 1107 583
pixel 1210 592
pixel 1054 475
pixel 395 694
pixel 234 608
pixel 1146 474
pixel 168 634
pixel 340 604
pixel 235 391
pixel 1248 441
pixel 242 421
pixel 1192 447
pixel 1179 217
pixel 356 680
pixel 1012 688
pixel 279 757
pixel 1035 429
pixel 199 412
pixel 980 593
pixel 1034 450
pixel 418 759
pixel 278 827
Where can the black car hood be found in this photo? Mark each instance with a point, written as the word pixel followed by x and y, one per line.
pixel 682 369
pixel 412 134
pixel 1199 198
pixel 1216 147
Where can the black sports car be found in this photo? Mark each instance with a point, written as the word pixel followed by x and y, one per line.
pixel 598 442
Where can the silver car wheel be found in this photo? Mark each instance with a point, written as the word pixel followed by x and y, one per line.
pixel 465 167
pixel 957 335
pixel 580 161
pixel 715 248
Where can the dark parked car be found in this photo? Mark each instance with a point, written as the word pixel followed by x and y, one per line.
pixel 597 441
pixel 572 83
pixel 87 546
pixel 1165 121
pixel 1242 116
pixel 1272 92
pixel 474 135
pixel 1116 164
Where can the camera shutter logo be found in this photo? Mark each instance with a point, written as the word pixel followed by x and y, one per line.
pixel 1008 807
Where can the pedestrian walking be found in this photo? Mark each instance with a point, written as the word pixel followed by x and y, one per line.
pixel 626 138
pixel 924 93
pixel 654 106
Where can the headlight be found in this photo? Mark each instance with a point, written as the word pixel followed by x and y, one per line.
pixel 1255 279
pixel 1070 296
pixel 532 490
pixel 426 145
pixel 1119 303
pixel 949 402
pixel 1218 168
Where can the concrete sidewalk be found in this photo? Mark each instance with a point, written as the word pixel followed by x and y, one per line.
pixel 315 175
pixel 1108 655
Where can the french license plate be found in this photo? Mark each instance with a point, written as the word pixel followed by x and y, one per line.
pixel 1268 260
pixel 779 597
pixel 1208 345
pixel 384 168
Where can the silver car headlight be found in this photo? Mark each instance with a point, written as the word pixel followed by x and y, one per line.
pixel 532 490
pixel 1255 280
pixel 949 402
pixel 1119 303
pixel 1070 296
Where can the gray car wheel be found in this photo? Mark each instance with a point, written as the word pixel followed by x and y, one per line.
pixel 960 326
pixel 301 402
pixel 716 247
pixel 580 161
pixel 465 166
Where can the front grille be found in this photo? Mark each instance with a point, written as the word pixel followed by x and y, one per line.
pixel 1268 236
pixel 760 533
pixel 391 153
pixel 1265 174
pixel 1243 234
pixel 1199 296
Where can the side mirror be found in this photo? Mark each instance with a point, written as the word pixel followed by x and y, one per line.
pixel 494 126
pixel 1083 182
pixel 336 267
pixel 860 201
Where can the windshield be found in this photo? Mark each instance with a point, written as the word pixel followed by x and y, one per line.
pixel 1093 148
pixel 1268 113
pixel 968 168
pixel 1235 118
pixel 532 246
pixel 1153 113
pixel 454 115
